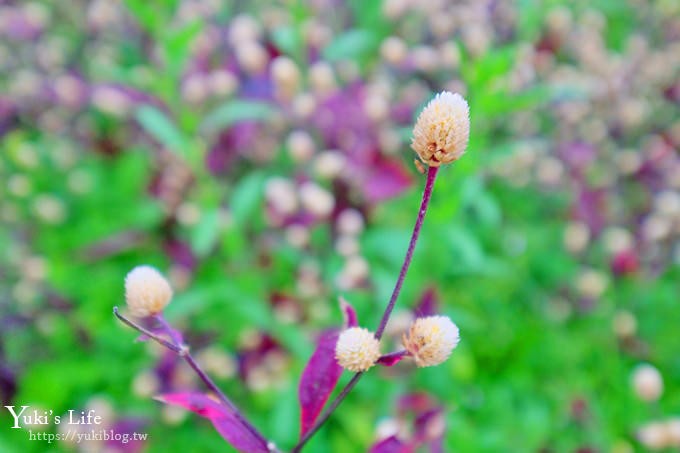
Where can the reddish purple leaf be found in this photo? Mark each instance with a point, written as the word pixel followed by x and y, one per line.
pixel 385 179
pixel 348 313
pixel 430 426
pixel 318 379
pixel 428 304
pixel 624 263
pixel 437 445
pixel 127 427
pixel 391 445
pixel 577 155
pixel 225 420
pixel 392 358
pixel 416 403
pixel 590 208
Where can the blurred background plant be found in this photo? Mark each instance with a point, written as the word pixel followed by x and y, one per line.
pixel 258 153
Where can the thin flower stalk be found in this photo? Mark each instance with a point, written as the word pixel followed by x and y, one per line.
pixel 425 201
pixel 182 350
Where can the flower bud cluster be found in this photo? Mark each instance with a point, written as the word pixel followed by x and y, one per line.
pixel 429 340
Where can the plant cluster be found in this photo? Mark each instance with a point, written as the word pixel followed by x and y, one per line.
pixel 440 136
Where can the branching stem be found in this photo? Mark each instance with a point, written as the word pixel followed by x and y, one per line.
pixel 178 347
pixel 427 194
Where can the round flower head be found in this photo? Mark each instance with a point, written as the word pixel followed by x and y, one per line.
pixel 442 130
pixel 647 382
pixel 147 292
pixel 430 340
pixel 357 349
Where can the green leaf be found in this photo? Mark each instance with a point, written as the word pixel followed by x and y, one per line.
pixel 284 416
pixel 235 111
pixel 245 199
pixel 468 256
pixel 145 14
pixel 386 244
pixel 351 45
pixel 287 39
pixel 177 45
pixel 161 128
pixel 204 236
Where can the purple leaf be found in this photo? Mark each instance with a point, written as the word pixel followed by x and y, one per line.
pixel 348 313
pixel 392 358
pixel 590 208
pixel 430 426
pixel 127 427
pixel 318 379
pixel 180 253
pixel 437 445
pixel 224 419
pixel 577 155
pixel 416 403
pixel 428 304
pixel 385 179
pixel 391 445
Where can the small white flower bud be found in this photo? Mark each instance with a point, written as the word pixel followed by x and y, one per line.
pixel 329 164
pixel 350 222
pixel 357 349
pixel 647 382
pixel 656 228
pixel 653 435
pixel 49 208
pixel 425 58
pixel 430 340
pixel 442 130
pixel 549 170
pixel 304 105
pixel 188 214
pixel 297 235
pixel 449 55
pixel 147 292
pixel 111 101
pixel 172 415
pixel 19 185
pixel 316 200
pixel 393 50
pixel 393 9
pixel 673 431
pixel 356 268
pixel 300 145
pixel 377 107
pixel 195 88
pixel 222 82
pixel 576 237
pixel 252 57
pixel 624 324
pixel 591 283
pixel 281 194
pixel 347 246
pixel 145 384
pixel 322 78
pixel 286 77
pixel 617 239
pixel 243 28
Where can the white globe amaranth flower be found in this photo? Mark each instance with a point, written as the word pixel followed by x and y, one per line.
pixel 357 349
pixel 430 340
pixel 647 382
pixel 653 435
pixel 442 130
pixel 286 77
pixel 147 292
